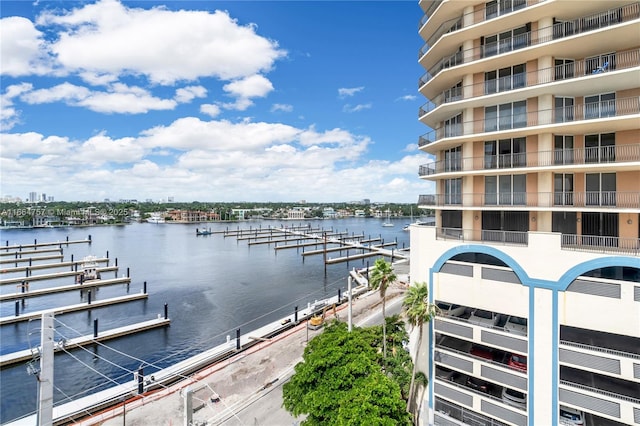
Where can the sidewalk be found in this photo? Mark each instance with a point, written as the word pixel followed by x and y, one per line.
pixel 224 392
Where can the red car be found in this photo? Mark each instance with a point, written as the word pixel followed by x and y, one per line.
pixel 518 361
pixel 482 352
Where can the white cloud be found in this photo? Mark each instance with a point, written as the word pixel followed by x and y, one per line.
pixel 281 107
pixel 108 38
pixel 407 98
pixel 356 108
pixel 345 92
pixel 22 48
pixel 9 116
pixel 187 94
pixel 210 109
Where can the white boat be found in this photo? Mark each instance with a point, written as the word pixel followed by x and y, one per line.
pixel 89 270
pixel 388 223
pixel 155 218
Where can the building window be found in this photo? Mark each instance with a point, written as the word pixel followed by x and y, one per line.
pixel 564 68
pixel 563 28
pixel 601 189
pixel 505 116
pixel 600 148
pixel 508 78
pixel 453 126
pixel 563 189
pixel 563 149
pixel 505 153
pixel 496 8
pixel 564 222
pixel 564 109
pixel 453 159
pixel 505 190
pixel 599 106
pixel 599 64
pixel 453 191
pixel 453 94
pixel 507 41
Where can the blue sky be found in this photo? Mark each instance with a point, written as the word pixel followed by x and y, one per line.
pixel 211 101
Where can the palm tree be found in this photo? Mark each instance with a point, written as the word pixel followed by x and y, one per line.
pixel 381 276
pixel 418 311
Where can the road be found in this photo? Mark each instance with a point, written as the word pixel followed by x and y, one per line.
pixel 266 409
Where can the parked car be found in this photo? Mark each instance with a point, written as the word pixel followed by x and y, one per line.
pixel 516 325
pixel 482 352
pixel 446 373
pixel 450 310
pixel 571 417
pixel 518 361
pixel 514 398
pixel 478 384
pixel 484 318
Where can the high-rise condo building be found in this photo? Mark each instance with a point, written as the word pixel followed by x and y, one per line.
pixel 533 115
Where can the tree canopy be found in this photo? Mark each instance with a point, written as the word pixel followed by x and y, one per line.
pixel 341 381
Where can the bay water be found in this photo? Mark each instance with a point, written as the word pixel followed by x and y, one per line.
pixel 211 284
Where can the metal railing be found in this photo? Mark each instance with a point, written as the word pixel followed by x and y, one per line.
pixel 519 120
pixel 586 199
pixel 568 71
pixel 559 157
pixel 601 350
pixel 601 244
pixel 463 414
pixel 488 236
pixel 468 19
pixel 557 31
pixel 600 391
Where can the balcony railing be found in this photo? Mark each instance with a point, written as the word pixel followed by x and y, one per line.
pixel 588 111
pixel 489 236
pixel 601 244
pixel 586 199
pixel 568 71
pixel 587 243
pixel 559 30
pixel 577 156
pixel 467 19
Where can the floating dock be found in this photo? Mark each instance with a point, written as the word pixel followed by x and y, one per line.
pixel 19 254
pixel 28 354
pixel 53 275
pixel 74 308
pixel 86 285
pixel 70 263
pixel 36 244
pixel 31 259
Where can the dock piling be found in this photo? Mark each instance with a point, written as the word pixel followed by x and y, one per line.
pixel 88 297
pixel 166 311
pixel 140 380
pixel 295 315
pixel 238 339
pixel 144 287
pixel 17 308
pixel 95 328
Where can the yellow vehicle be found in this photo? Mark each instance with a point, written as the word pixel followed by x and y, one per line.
pixel 317 321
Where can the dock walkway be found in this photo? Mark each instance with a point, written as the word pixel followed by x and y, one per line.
pixel 27 354
pixel 53 275
pixel 51 290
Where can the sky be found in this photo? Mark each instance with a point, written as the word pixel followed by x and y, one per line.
pixel 259 101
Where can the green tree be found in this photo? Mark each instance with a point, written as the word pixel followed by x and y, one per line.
pixel 381 277
pixel 418 311
pixel 340 382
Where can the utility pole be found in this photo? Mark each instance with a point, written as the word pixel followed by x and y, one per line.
pixel 45 377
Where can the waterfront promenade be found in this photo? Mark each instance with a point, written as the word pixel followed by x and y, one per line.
pixel 243 390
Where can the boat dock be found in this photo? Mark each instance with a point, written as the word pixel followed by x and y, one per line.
pixel 19 254
pixel 70 263
pixel 31 259
pixel 28 354
pixel 53 275
pixel 36 244
pixel 51 290
pixel 74 308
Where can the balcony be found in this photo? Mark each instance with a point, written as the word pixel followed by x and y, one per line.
pixel 617 154
pixel 559 30
pixel 468 19
pixel 565 72
pixel 482 236
pixel 601 244
pixel 599 200
pixel 575 113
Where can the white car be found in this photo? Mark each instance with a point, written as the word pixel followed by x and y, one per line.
pixel 484 318
pixel 571 417
pixel 516 325
pixel 450 310
pixel 514 398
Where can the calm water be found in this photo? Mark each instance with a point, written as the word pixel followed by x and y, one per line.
pixel 212 286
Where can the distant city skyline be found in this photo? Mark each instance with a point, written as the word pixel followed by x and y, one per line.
pixel 227 101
